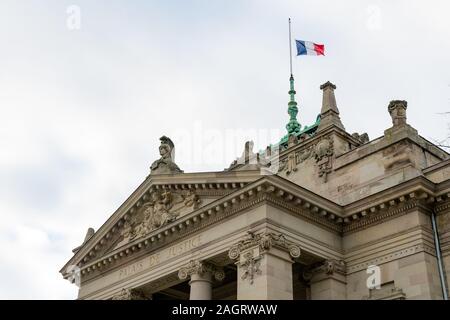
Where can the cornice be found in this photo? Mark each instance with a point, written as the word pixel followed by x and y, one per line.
pixel 381 214
pixel 314 214
pixel 413 188
pixel 276 191
pixel 292 190
pixel 416 193
pixel 442 197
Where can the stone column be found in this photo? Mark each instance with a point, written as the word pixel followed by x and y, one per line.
pixel 327 281
pixel 264 264
pixel 201 278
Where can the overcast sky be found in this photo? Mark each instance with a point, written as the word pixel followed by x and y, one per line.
pixel 82 109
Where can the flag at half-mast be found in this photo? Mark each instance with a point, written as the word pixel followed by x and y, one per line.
pixel 309 48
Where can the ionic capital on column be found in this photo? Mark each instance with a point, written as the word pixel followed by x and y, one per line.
pixel 248 252
pixel 264 242
pixel 196 267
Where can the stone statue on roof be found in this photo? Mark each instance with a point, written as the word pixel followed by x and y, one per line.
pixel 166 164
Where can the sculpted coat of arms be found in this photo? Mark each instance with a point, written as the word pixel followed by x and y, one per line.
pixel 163 207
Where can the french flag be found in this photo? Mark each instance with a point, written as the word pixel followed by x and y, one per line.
pixel 309 48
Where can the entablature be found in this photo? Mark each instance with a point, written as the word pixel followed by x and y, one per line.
pixel 271 189
pixel 274 190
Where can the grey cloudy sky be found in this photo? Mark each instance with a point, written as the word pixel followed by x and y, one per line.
pixel 82 110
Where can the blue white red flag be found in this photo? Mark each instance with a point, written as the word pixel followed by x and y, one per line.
pixel 309 48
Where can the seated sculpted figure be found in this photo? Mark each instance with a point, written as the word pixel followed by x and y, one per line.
pixel 166 164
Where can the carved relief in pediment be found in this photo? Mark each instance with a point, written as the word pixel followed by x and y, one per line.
pixel 163 207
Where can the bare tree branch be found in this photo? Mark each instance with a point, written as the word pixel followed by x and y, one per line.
pixel 441 144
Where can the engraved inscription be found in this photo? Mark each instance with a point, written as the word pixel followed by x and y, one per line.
pixel 132 269
pixel 154 260
pixel 157 258
pixel 184 246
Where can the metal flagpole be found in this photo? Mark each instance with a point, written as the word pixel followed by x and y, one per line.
pixel 293 127
pixel 290 47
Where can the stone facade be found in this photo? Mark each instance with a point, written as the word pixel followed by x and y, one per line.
pixel 305 220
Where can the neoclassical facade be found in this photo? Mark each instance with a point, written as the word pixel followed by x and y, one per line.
pixel 318 215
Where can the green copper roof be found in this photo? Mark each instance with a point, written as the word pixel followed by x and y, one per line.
pixel 306 129
pixel 309 130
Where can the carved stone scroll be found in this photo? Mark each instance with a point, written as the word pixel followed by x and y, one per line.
pixel 200 267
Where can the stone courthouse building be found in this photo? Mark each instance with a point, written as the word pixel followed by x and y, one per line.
pixel 321 214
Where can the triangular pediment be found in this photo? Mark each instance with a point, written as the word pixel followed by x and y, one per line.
pixel 159 200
